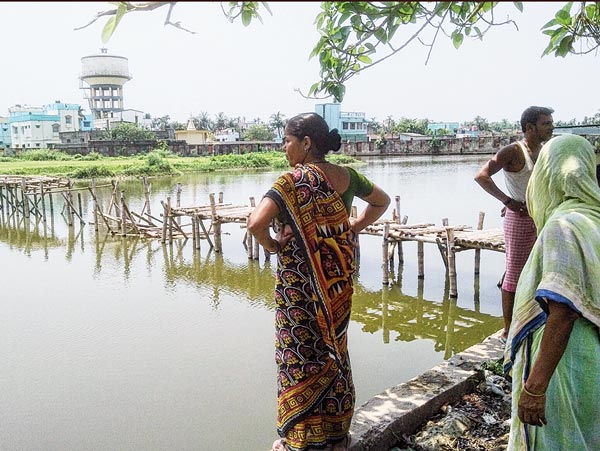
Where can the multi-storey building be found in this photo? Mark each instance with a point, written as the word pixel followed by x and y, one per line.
pixel 37 127
pixel 352 126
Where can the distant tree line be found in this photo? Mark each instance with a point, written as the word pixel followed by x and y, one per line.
pixel 254 130
pixel 259 130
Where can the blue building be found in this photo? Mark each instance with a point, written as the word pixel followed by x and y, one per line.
pixel 37 127
pixel 352 126
pixel 4 133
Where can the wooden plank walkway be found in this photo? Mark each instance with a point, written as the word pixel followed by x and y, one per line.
pixel 26 195
pixel 449 239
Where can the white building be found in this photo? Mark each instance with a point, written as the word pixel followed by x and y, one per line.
pixel 37 127
pixel 227 135
pixel 131 116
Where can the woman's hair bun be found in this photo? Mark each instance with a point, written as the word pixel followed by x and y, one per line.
pixel 334 140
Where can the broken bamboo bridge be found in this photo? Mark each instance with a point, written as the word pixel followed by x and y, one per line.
pixel 31 197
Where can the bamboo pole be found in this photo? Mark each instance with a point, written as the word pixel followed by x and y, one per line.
pixel 95 203
pixel 51 205
pixel 451 262
pixel 384 245
pixel 79 204
pixel 147 188
pixel 25 199
pixel 163 237
pixel 256 249
pixel 216 224
pixel 70 206
pixel 43 202
pixel 99 211
pixel 420 260
pixel 170 220
pixel 178 201
pixel 123 215
pixel 478 251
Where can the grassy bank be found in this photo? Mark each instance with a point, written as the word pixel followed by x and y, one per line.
pixel 158 162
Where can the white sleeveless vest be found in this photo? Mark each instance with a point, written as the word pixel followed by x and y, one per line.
pixel 516 182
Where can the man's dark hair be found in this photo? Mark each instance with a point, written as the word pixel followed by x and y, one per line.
pixel 532 114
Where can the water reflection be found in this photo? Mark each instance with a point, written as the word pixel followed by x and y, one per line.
pixel 398 316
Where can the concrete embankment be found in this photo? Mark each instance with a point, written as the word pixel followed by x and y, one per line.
pixel 403 408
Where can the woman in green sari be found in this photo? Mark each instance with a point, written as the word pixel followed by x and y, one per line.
pixel 315 245
pixel 553 350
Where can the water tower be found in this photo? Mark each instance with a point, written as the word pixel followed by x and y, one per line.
pixel 105 76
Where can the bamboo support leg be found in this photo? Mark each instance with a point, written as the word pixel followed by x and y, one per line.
pixel 163 237
pixel 420 260
pixel 123 215
pixel 478 251
pixel 79 204
pixel 178 201
pixel 385 264
pixel 43 202
pixel 451 262
pixel 216 224
pixel 95 204
pixel 170 220
pixel 249 243
pixel 26 211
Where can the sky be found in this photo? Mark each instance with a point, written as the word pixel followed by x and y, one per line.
pixel 255 71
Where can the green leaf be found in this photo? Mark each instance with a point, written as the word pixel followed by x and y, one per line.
pixel 112 22
pixel 108 30
pixel 563 17
pixel 365 59
pixel 519 6
pixel 565 46
pixel 381 35
pixel 592 10
pixel 457 39
pixel 313 89
pixel 550 24
pixel 246 17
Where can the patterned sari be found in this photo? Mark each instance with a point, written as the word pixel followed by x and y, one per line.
pixel 313 294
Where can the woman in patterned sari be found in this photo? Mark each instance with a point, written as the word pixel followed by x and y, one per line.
pixel 315 245
pixel 553 351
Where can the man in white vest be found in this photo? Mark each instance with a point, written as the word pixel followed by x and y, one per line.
pixel 517 160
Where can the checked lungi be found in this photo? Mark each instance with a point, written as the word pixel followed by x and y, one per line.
pixel 519 237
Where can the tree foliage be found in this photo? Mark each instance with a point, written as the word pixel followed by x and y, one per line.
pixel 358 35
pixel 130 132
pixel 259 132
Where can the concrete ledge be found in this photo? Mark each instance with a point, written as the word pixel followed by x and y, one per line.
pixel 403 408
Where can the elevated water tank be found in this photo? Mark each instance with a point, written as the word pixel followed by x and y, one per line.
pixel 104 75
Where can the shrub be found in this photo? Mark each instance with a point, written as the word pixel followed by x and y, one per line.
pixel 44 155
pixel 92 171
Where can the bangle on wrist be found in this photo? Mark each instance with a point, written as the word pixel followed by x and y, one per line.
pixel 534 395
pixel 507 201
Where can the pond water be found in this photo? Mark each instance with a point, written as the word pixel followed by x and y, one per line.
pixel 128 344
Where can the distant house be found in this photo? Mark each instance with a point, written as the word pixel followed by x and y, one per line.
pixel 192 136
pixel 452 127
pixel 37 127
pixel 578 129
pixel 227 135
pixel 406 136
pixel 352 126
pixel 124 116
